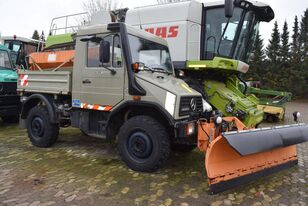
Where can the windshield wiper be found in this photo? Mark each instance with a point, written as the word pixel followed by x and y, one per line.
pixel 162 70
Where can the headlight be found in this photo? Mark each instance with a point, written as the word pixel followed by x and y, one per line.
pixel 190 129
pixel 206 106
pixel 170 103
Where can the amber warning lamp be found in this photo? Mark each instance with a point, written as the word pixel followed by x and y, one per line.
pixel 136 67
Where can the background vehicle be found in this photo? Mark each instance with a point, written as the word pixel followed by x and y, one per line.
pixel 21 47
pixel 211 46
pixel 9 100
pixel 122 86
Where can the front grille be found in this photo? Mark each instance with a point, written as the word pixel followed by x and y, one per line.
pixel 8 88
pixel 186 107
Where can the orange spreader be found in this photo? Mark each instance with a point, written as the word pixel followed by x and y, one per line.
pixel 51 60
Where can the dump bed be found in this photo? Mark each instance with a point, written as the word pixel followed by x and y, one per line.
pixel 51 82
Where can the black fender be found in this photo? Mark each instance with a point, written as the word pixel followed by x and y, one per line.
pixel 158 109
pixel 33 100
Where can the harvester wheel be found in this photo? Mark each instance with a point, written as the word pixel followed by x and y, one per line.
pixel 182 148
pixel 143 143
pixel 41 132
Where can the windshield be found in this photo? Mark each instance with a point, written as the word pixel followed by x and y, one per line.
pixel 239 34
pixel 13 45
pixel 152 54
pixel 5 60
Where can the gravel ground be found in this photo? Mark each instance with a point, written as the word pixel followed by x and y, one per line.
pixel 80 170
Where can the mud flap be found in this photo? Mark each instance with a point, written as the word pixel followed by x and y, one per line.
pixel 248 142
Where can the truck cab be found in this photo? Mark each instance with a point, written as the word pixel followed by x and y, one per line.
pixel 121 87
pixel 9 100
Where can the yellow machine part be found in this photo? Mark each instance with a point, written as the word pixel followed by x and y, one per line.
pixel 277 111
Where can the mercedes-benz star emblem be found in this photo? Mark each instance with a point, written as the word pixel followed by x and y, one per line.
pixel 193 104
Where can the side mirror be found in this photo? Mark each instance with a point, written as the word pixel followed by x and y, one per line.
pixel 229 7
pixel 104 51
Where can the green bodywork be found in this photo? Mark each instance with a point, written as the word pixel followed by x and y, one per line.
pixel 60 39
pixel 9 100
pixel 227 96
pixel 7 74
pixel 218 63
pixel 270 97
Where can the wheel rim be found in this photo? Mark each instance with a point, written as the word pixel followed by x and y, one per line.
pixel 37 127
pixel 139 145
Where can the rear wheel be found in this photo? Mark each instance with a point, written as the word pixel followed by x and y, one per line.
pixel 41 132
pixel 143 144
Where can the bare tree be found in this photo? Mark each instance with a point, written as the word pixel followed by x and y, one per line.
pixel 94 6
pixel 169 1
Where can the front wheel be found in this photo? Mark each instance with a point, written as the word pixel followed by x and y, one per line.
pixel 143 143
pixel 41 132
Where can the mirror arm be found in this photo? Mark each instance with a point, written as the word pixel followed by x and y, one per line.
pixel 112 71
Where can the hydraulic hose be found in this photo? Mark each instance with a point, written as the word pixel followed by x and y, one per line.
pixel 245 84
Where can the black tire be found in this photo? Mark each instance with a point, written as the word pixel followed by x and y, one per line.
pixel 41 132
pixel 182 148
pixel 143 144
pixel 11 119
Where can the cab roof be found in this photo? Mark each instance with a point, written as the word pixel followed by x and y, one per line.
pixel 103 28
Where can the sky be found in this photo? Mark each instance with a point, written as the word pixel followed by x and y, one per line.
pixel 22 17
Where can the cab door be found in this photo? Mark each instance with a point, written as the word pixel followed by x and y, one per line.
pixel 100 89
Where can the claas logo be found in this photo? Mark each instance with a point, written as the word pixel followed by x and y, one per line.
pixel 164 32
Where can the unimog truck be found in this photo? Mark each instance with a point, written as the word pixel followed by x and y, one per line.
pixel 9 100
pixel 121 87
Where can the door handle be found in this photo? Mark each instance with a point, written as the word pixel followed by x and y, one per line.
pixel 86 81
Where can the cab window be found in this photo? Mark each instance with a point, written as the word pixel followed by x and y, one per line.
pixel 115 52
pixel 5 60
pixel 93 53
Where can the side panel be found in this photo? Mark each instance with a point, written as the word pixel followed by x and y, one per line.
pixel 96 85
pixel 58 82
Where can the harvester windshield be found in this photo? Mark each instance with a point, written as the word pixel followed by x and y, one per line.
pixel 238 33
pixel 233 38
